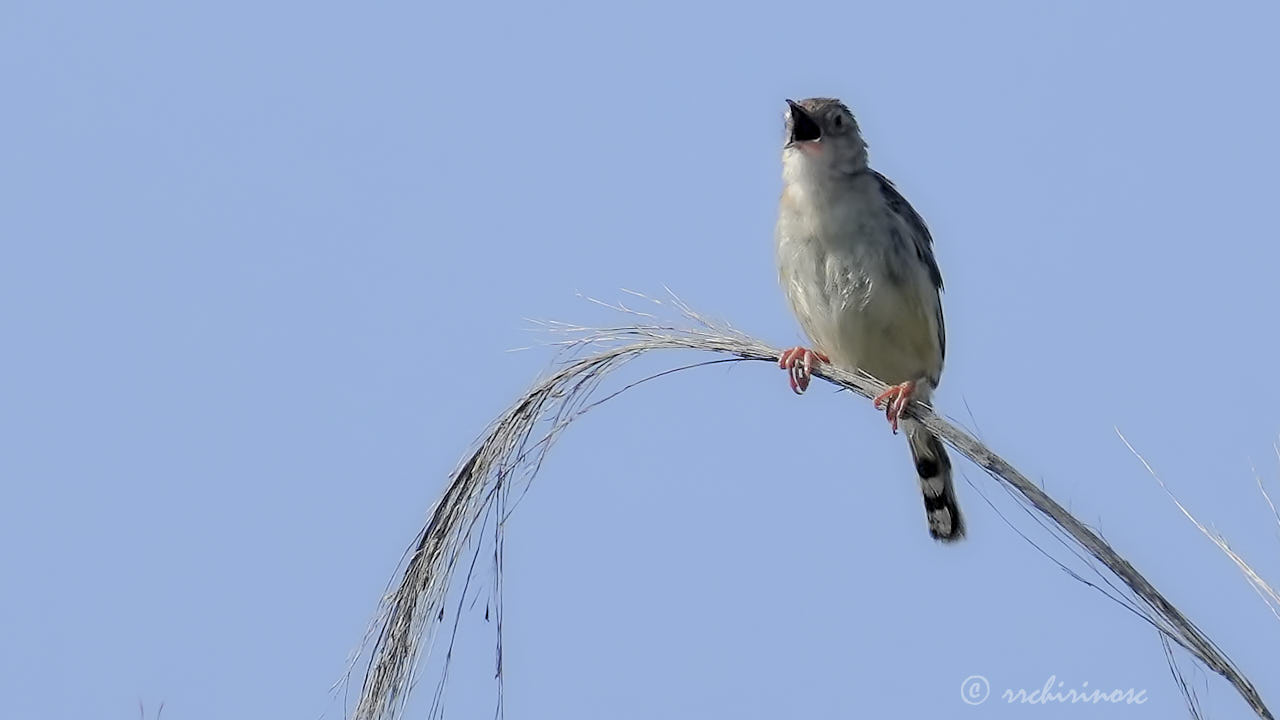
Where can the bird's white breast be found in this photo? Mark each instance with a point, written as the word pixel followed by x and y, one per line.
pixel 834 261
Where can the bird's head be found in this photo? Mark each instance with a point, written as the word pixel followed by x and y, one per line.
pixel 822 139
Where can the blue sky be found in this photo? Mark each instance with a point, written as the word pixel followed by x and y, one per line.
pixel 263 264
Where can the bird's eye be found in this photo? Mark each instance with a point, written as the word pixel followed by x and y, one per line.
pixel 838 122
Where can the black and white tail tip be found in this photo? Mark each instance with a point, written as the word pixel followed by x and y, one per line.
pixel 934 468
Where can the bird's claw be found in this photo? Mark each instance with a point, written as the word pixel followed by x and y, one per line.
pixel 798 362
pixel 895 400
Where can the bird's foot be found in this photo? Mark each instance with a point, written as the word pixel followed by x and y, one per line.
pixel 798 362
pixel 895 400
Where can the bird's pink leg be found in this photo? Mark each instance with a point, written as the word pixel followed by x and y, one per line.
pixel 798 362
pixel 895 400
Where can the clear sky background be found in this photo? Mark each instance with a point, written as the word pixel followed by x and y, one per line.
pixel 262 265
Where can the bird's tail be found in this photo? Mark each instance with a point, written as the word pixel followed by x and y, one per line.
pixel 934 468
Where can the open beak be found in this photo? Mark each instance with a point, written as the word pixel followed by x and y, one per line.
pixel 803 127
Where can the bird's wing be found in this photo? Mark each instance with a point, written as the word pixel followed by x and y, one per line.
pixel 921 242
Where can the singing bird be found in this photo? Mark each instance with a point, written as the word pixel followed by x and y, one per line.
pixel 856 263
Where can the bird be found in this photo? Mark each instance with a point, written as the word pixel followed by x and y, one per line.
pixel 856 264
